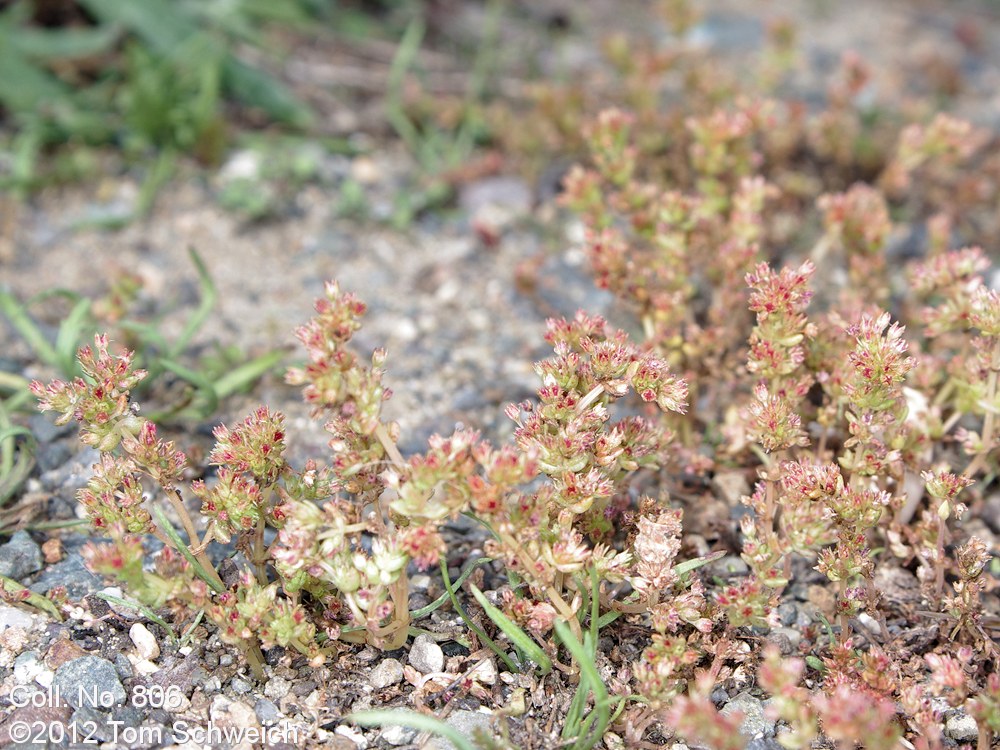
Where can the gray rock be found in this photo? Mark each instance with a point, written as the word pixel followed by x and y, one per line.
pixel 961 728
pixel 124 667
pixel 27 666
pixel 730 31
pixel 787 613
pixel 277 688
pixel 12 617
pixel 509 193
pixel 764 743
pixel 50 456
pixel 267 712
pixel 397 735
pixel 92 724
pixel 71 573
pixel 466 722
pixel 71 475
pixel 387 672
pixel 786 639
pixel 89 681
pixel 20 557
pixel 45 430
pixel 727 567
pixel 425 655
pixel 240 686
pixel 755 723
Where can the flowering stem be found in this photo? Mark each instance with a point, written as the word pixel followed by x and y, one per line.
pixel 595 393
pixel 390 447
pixel 174 496
pixel 990 418
pixel 259 555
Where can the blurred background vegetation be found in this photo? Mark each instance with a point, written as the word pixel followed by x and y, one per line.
pixel 156 79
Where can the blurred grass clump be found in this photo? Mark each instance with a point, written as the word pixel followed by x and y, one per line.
pixel 157 77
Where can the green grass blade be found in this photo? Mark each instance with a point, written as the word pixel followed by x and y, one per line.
pixel 490 643
pixel 16 592
pixel 162 25
pixel 25 87
pixel 189 631
pixel 412 720
pixel 141 609
pixel 246 374
pixel 157 176
pixel 521 640
pixel 418 614
pixel 67 43
pixel 15 463
pixel 71 335
pixel 168 528
pixel 258 89
pixel 18 316
pixel 406 54
pixel 607 618
pixel 209 294
pixel 148 335
pixel 206 389
pixel 688 565
pixel 592 728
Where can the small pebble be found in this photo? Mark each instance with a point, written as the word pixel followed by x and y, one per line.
pixel 12 617
pixel 277 688
pixel 397 735
pixel 240 686
pixel 90 681
pixel 486 672
pixel 755 723
pixel 387 672
pixel 466 722
pixel 962 728
pixel 145 642
pixel 267 712
pixel 353 735
pixel 425 655
pixel 27 667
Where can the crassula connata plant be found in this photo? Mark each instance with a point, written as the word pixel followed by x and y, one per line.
pixel 785 345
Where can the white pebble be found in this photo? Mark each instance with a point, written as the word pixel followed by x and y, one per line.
pixel 145 642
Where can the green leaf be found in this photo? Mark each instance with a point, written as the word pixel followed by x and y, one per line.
pixel 16 462
pixel 65 43
pixel 168 528
pixel 141 608
pixel 688 565
pixel 591 729
pixel 256 88
pixel 71 333
pixel 14 591
pixel 205 388
pixel 164 26
pixel 26 87
pixel 17 315
pixel 521 640
pixel 450 589
pixel 246 374
pixel 206 302
pixel 413 720
pixel 816 663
